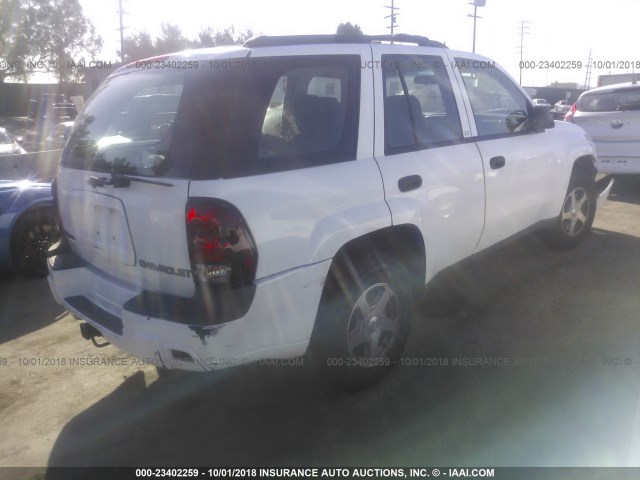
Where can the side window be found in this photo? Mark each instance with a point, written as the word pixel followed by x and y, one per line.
pixel 499 107
pixel 312 111
pixel 419 105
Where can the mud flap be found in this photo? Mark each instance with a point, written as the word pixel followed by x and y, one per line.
pixel 603 188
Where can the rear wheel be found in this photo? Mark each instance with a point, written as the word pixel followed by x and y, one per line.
pixel 576 217
pixel 363 323
pixel 34 234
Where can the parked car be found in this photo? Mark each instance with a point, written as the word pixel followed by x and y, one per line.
pixel 58 136
pixel 562 106
pixel 541 102
pixel 27 226
pixel 8 144
pixel 52 105
pixel 223 241
pixel 611 116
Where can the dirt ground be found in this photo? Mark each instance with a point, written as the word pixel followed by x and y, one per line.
pixel 526 357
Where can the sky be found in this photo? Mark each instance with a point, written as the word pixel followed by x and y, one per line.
pixel 557 30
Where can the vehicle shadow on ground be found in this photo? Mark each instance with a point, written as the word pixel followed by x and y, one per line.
pixel 19 314
pixel 500 306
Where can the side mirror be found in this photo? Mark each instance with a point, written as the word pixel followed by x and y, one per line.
pixel 541 118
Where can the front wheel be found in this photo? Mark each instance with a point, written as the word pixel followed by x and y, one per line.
pixel 363 324
pixel 576 217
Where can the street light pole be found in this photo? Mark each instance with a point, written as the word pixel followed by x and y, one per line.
pixel 476 4
pixel 475 17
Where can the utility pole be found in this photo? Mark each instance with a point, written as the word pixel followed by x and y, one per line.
pixel 476 4
pixel 121 13
pixel 524 26
pixel 392 17
pixel 587 78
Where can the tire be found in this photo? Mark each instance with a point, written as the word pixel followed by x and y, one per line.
pixel 576 216
pixel 34 234
pixel 363 323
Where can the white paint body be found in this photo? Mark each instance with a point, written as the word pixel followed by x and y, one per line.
pixel 300 219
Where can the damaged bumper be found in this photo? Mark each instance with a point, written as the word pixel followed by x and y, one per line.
pixel 277 322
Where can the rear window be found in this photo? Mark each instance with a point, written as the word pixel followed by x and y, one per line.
pixel 628 99
pixel 271 114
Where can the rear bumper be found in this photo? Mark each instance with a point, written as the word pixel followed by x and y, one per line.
pixel 277 322
pixel 618 157
pixel 618 165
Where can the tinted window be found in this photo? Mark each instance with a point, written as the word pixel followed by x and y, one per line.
pixel 419 105
pixel 127 126
pixel 499 107
pixel 306 113
pixel 250 116
pixel 628 99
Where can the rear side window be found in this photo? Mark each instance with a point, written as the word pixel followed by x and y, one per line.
pixel 419 104
pixel 251 116
pixel 628 99
pixel 306 115
pixel 293 112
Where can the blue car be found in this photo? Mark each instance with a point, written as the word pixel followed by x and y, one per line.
pixel 27 226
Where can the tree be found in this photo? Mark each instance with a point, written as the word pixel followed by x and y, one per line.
pixel 171 40
pixel 16 27
pixel 349 29
pixel 44 35
pixel 137 47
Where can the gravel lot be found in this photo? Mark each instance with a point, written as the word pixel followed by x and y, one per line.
pixel 526 357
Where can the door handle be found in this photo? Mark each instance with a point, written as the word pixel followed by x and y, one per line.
pixel 497 162
pixel 411 182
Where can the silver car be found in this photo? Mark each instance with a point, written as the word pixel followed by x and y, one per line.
pixel 611 116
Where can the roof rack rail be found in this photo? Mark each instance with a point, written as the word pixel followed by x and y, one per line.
pixel 281 40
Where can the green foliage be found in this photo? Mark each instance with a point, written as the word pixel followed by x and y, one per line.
pixel 139 46
pixel 46 33
pixel 349 29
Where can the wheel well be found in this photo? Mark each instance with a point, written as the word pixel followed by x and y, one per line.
pixel 585 164
pixel 33 211
pixel 403 243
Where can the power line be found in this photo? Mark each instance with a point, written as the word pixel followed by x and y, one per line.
pixel 122 28
pixel 587 78
pixel 392 16
pixel 524 27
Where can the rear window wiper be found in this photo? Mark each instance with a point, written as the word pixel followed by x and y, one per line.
pixel 119 180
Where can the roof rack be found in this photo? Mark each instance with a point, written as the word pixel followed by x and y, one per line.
pixel 281 40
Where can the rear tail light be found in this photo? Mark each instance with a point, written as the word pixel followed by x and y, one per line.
pixel 221 248
pixel 569 115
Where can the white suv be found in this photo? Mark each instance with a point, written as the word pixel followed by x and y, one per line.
pixel 611 116
pixel 228 205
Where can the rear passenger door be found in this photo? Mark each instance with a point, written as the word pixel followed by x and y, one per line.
pixel 432 172
pixel 519 162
